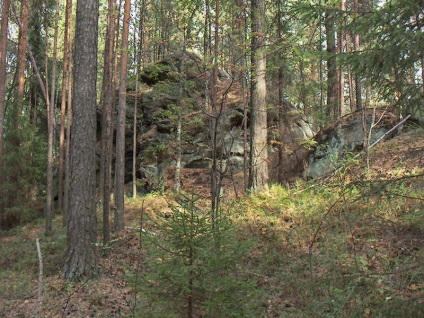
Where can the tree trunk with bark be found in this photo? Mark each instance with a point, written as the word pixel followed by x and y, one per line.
pixel 214 118
pixel 82 257
pixel 49 212
pixel 66 77
pixel 108 101
pixel 258 174
pixel 332 78
pixel 341 49
pixel 68 136
pixel 356 45
pixel 22 49
pixel 120 130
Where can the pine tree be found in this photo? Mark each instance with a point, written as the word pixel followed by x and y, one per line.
pixel 82 257
pixel 192 267
pixel 258 174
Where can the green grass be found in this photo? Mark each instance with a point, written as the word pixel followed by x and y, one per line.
pixel 19 266
pixel 338 249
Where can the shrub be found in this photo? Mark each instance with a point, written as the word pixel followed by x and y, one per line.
pixel 193 267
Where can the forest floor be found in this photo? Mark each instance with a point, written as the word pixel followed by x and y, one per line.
pixel 350 245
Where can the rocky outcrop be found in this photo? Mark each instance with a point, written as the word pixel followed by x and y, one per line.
pixel 345 137
pixel 173 90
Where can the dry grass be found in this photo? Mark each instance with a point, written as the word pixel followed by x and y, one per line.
pixel 352 246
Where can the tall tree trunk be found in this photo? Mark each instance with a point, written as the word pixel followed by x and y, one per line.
pixel 332 79
pixel 82 257
pixel 108 101
pixel 358 87
pixel 207 39
pixel 209 87
pixel 117 44
pixel 68 132
pixel 135 131
pixel 341 75
pixel 22 49
pixel 120 131
pixel 258 174
pixel 215 179
pixel 280 176
pixel 50 128
pixel 66 76
pixel 356 45
pixel 3 50
pixel 139 65
pixel 241 49
pixel 178 135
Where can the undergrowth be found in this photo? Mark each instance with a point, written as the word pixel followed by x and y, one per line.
pixel 339 248
pixel 335 249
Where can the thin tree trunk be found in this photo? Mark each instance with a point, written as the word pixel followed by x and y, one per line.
pixel 209 87
pixel 108 100
pixel 65 78
pixel 241 50
pixel 117 36
pixel 139 52
pixel 215 180
pixel 68 136
pixel 22 48
pixel 3 50
pixel 177 176
pixel 358 87
pixel 356 45
pixel 134 163
pixel 320 66
pixel 280 169
pixel 50 127
pixel 143 40
pixel 207 40
pixel 341 75
pixel 120 133
pixel 332 79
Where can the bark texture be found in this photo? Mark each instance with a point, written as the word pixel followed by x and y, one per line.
pixel 258 176
pixel 120 129
pixel 82 259
pixel 108 98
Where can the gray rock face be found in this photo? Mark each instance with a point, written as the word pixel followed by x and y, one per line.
pixel 175 87
pixel 346 137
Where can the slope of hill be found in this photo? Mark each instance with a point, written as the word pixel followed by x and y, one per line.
pixel 350 245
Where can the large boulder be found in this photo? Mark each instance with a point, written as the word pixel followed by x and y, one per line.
pixel 346 137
